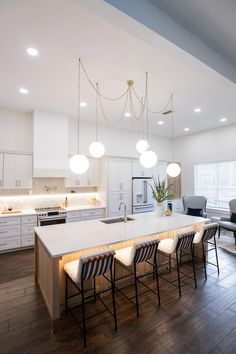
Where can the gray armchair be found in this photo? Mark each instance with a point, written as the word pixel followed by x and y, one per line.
pixel 195 202
pixel 226 223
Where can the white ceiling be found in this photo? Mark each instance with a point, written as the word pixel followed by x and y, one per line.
pixel 62 31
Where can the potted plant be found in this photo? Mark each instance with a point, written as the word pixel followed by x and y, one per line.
pixel 160 192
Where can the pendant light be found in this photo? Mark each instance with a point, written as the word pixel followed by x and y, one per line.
pixel 79 163
pixel 148 157
pixel 173 168
pixel 97 149
pixel 141 146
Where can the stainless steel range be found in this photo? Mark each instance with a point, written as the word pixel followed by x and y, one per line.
pixel 51 216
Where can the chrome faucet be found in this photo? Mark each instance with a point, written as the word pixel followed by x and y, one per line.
pixel 125 216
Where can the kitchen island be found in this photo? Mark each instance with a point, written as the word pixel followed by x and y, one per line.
pixel 56 245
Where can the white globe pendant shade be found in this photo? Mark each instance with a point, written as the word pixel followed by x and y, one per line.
pixel 79 164
pixel 148 159
pixel 173 169
pixel 141 146
pixel 97 149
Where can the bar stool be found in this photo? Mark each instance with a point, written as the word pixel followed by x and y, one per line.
pixel 182 244
pixel 85 268
pixel 129 257
pixel 204 238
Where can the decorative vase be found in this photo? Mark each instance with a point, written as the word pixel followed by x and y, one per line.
pixel 160 209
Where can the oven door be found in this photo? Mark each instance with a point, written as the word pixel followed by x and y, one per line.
pixel 52 221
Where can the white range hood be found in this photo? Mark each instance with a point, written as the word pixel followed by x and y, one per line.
pixel 50 145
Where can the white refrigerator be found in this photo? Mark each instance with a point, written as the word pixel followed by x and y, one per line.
pixel 142 200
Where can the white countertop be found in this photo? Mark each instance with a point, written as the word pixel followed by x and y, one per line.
pixel 22 213
pixel 72 208
pixel 72 237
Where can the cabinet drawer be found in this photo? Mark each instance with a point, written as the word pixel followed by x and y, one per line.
pixel 73 214
pixel 8 231
pixel 9 221
pixel 31 219
pixel 27 240
pixel 9 243
pixel 91 213
pixel 27 229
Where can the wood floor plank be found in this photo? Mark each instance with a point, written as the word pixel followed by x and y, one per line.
pixel 202 321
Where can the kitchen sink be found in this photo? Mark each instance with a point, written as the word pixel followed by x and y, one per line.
pixel 115 220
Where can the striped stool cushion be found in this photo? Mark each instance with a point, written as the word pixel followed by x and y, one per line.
pixel 90 265
pixel 139 252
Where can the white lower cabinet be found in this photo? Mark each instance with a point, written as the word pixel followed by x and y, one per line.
pixel 17 232
pixel 88 214
pixel 27 230
pixel 114 200
pixel 73 216
pixel 10 233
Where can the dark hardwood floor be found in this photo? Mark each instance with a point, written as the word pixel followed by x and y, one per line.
pixel 202 321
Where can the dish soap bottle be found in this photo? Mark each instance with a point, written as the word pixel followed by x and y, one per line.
pixel 66 203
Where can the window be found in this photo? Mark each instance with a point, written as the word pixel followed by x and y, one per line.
pixel 216 181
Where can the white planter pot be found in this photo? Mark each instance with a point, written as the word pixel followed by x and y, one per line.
pixel 160 209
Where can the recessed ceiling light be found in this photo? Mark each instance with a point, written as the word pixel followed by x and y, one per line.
pixel 160 122
pixel 83 104
pixel 222 120
pixel 24 91
pixel 32 51
pixel 127 114
pixel 197 110
pixel 186 129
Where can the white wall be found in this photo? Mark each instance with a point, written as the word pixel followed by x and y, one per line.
pixel 16 135
pixel 214 145
pixel 16 131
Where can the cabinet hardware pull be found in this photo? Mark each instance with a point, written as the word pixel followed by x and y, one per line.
pixel 0 183
pixel 3 244
pixel 3 232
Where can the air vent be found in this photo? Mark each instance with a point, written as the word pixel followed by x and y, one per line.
pixel 167 112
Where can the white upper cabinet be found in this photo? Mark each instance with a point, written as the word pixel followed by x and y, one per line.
pixel 140 171
pixel 50 145
pixel 114 200
pixel 160 170
pixel 120 174
pixel 89 179
pixel 1 171
pixel 17 171
pixel 94 173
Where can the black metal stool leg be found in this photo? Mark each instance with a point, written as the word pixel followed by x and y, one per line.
pixel 204 259
pixel 94 289
pixel 177 263
pixel 157 280
pixel 113 298
pixel 217 260
pixel 136 290
pixel 194 270
pixel 169 263
pixel 219 232
pixel 83 312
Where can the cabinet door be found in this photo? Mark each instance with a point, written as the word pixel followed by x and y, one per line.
pixel 94 173
pixel 24 171
pixel 1 171
pixel 114 202
pixel 120 175
pixel 160 170
pixel 75 181
pixel 10 179
pixel 140 171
